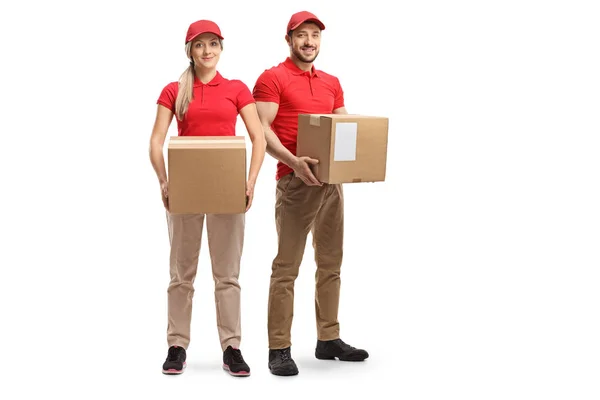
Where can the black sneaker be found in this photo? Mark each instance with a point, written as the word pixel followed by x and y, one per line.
pixel 175 362
pixel 281 363
pixel 332 349
pixel 234 363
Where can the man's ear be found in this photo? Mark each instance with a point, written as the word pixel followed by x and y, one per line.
pixel 288 40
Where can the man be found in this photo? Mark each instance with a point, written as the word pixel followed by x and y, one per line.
pixel 303 204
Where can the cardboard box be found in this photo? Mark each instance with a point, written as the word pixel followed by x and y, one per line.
pixel 350 148
pixel 207 174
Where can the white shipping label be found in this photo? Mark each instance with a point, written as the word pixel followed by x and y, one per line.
pixel 345 141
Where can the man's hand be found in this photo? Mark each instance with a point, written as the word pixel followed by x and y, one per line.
pixel 301 167
pixel 249 194
pixel 164 190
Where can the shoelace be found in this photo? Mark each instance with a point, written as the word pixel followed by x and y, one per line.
pixel 285 355
pixel 173 354
pixel 237 356
pixel 344 346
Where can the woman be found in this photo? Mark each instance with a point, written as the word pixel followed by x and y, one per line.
pixel 205 104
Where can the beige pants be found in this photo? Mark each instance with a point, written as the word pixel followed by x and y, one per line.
pixel 300 209
pixel 225 242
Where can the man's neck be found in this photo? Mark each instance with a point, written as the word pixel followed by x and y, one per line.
pixel 301 64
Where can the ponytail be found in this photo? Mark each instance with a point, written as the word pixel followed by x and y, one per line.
pixel 186 87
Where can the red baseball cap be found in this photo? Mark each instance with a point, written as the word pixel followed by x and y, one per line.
pixel 200 27
pixel 301 17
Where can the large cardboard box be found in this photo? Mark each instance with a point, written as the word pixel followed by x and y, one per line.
pixel 207 174
pixel 350 148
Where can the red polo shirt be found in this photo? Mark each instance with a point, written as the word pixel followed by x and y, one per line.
pixel 296 92
pixel 214 109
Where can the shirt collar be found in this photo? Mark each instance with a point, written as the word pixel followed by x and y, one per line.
pixel 213 82
pixel 289 64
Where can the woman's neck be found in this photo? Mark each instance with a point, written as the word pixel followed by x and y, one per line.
pixel 205 75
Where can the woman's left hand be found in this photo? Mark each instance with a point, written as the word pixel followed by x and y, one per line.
pixel 249 194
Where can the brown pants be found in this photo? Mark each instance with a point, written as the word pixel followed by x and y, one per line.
pixel 225 242
pixel 300 209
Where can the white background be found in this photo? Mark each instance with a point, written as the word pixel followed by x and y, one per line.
pixel 471 273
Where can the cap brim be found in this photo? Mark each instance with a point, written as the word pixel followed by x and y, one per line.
pixel 200 33
pixel 316 21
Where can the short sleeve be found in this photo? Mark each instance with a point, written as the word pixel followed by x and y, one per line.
pixel 168 96
pixel 339 95
pixel 244 97
pixel 267 88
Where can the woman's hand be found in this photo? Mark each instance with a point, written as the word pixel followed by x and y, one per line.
pixel 164 190
pixel 249 194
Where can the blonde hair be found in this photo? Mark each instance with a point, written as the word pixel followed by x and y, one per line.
pixel 186 86
pixel 185 94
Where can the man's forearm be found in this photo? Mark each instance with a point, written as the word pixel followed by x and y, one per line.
pixel 277 150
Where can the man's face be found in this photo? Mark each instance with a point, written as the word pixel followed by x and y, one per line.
pixel 305 42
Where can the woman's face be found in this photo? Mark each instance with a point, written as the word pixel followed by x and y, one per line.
pixel 206 50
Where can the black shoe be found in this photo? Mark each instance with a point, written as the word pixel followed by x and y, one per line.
pixel 281 363
pixel 234 363
pixel 332 349
pixel 175 362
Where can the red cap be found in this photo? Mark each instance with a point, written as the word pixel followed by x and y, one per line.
pixel 200 27
pixel 301 17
